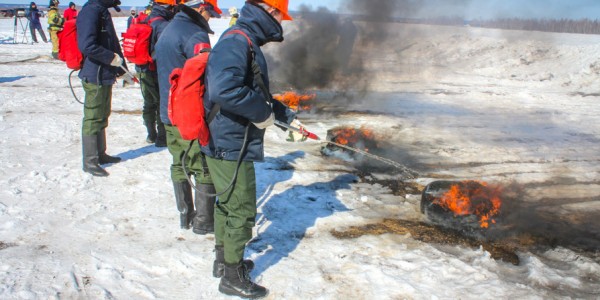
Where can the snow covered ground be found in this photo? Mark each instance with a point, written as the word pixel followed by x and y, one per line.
pixel 460 103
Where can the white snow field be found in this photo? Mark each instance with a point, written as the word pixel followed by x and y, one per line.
pixel 457 102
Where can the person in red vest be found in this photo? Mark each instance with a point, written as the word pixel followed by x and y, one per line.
pixel 71 12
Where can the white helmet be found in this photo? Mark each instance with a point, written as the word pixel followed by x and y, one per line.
pixel 233 10
pixel 133 9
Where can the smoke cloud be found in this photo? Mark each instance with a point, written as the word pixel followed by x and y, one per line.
pixel 323 47
pixel 543 218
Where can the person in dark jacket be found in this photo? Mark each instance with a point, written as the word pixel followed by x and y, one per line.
pixel 99 44
pixel 159 17
pixel 133 15
pixel 246 108
pixel 33 15
pixel 71 12
pixel 187 32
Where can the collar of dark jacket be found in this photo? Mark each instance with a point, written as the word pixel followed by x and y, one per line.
pixel 160 11
pixel 261 24
pixel 195 17
pixel 104 3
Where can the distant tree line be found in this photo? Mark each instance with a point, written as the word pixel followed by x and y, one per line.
pixel 583 26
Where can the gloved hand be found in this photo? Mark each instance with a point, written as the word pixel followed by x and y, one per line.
pixel 266 123
pixel 294 136
pixel 117 61
pixel 127 79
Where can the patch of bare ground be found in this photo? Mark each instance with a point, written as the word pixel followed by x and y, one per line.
pixel 398 187
pixel 127 112
pixel 504 249
pixel 4 245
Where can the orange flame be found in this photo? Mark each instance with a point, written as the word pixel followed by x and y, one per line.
pixel 473 198
pixel 293 100
pixel 347 136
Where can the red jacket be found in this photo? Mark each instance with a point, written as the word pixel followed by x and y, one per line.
pixel 70 14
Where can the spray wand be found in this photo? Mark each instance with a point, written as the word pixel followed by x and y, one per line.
pixel 130 74
pixel 410 173
pixel 300 130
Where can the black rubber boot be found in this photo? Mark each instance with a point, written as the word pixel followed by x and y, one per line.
pixel 151 128
pixel 185 203
pixel 236 281
pixel 104 158
pixel 204 221
pixel 90 156
pixel 219 263
pixel 161 136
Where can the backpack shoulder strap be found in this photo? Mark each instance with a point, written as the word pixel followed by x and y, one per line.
pixel 199 49
pixel 213 113
pixel 152 20
pixel 254 65
pixel 240 32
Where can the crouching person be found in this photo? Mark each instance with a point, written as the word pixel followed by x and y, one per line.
pixel 98 42
pixel 237 133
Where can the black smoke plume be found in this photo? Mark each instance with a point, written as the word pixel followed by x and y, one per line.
pixel 323 46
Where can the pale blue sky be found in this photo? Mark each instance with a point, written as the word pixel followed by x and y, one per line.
pixel 468 9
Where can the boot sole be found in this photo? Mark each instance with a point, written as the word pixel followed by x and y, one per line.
pixel 106 162
pixel 233 292
pixel 202 231
pixel 96 173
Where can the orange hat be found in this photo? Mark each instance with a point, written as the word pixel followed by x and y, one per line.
pixel 214 4
pixel 167 2
pixel 209 5
pixel 280 5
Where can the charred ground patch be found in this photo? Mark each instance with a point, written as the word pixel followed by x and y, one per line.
pixel 4 245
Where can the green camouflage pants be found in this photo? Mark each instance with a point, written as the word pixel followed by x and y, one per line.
pixel 193 162
pixel 96 107
pixel 150 111
pixel 235 211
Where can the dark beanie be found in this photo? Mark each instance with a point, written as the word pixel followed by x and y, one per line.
pixel 71 4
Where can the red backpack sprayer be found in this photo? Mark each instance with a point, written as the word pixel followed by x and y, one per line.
pixel 68 51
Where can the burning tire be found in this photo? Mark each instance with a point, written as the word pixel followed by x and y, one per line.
pixel 464 205
pixel 359 138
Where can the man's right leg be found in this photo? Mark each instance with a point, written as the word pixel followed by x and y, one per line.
pixel 204 222
pixel 96 109
pixel 161 134
pixel 149 108
pixel 54 38
pixel 183 190
pixel 41 31
pixel 235 215
pixel 32 31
